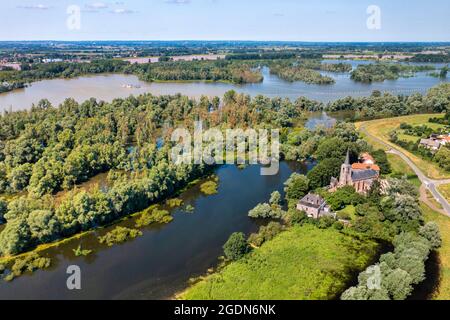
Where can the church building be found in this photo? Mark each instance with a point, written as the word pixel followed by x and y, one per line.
pixel 360 175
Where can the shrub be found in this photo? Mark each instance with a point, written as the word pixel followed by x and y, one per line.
pixel 265 233
pixel 296 217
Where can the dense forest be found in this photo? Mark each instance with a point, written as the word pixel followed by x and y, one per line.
pixel 386 105
pixel 230 71
pixel 296 71
pixel 379 72
pixel 435 58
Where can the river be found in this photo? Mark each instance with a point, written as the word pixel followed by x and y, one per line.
pixel 109 86
pixel 159 263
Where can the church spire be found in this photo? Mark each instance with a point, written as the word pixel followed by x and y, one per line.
pixel 347 158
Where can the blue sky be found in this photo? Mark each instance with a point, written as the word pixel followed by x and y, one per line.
pixel 293 20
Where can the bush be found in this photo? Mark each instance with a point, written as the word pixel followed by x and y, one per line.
pixel 236 246
pixel 265 233
pixel 296 217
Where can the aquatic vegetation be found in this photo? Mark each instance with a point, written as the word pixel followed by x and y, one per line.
pixel 81 252
pixel 209 187
pixel 173 203
pixel 151 215
pixel 119 235
pixel 30 263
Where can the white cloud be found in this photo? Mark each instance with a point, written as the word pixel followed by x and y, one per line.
pixel 122 11
pixel 35 6
pixel 96 5
pixel 177 1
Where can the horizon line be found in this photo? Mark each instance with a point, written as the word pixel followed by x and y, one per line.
pixel 229 40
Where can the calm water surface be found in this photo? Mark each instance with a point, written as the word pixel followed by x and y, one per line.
pixel 159 263
pixel 110 86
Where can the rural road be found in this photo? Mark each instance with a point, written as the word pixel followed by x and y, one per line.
pixel 430 184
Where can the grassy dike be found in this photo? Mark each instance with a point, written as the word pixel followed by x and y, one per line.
pixel 382 127
pixel 443 291
pixel 301 263
pixel 445 191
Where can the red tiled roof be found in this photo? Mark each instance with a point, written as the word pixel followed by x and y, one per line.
pixel 363 166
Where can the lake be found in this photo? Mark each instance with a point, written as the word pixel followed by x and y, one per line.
pixel 159 263
pixel 109 86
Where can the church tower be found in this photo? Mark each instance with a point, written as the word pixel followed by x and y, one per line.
pixel 346 171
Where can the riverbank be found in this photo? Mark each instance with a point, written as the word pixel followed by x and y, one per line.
pixel 145 268
pixel 5 260
pixel 302 263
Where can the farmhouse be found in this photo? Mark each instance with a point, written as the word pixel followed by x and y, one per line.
pixel 314 206
pixel 430 144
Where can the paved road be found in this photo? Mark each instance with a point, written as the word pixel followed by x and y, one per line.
pixel 430 184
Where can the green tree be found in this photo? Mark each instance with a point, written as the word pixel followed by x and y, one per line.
pixel 431 232
pixel 442 157
pixel 275 198
pixel 320 175
pixel 382 161
pixel 296 186
pixel 398 284
pixel 264 211
pixel 236 246
pixel 3 210
pixel 44 227
pixel 15 238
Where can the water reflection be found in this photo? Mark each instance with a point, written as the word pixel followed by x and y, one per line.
pixel 159 263
pixel 110 86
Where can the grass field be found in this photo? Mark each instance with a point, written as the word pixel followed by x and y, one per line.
pixel 400 168
pixel 381 128
pixel 444 252
pixel 301 263
pixel 445 191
